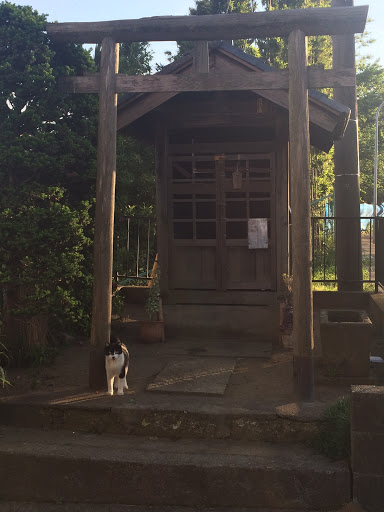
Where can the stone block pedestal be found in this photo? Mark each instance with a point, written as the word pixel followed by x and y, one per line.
pixel 346 341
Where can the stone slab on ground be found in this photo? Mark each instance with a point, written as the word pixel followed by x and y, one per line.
pixel 219 348
pixel 202 376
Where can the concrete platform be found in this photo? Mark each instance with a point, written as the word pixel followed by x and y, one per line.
pixel 246 409
pixel 169 451
pixel 156 415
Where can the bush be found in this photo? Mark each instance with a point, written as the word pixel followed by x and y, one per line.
pixel 3 359
pixel 334 437
pixel 43 267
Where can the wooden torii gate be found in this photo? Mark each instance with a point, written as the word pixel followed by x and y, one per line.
pixel 294 24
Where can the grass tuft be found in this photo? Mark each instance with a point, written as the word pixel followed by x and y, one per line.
pixel 334 437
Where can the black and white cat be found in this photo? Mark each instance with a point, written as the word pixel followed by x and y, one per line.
pixel 116 365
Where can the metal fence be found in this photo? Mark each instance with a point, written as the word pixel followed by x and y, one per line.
pixel 135 249
pixel 324 248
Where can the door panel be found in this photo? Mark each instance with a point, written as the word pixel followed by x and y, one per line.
pixel 211 200
pixel 247 194
pixel 247 269
pixel 194 268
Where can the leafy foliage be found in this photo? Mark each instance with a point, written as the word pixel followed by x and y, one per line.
pixel 37 122
pixel 135 181
pixel 42 251
pixel 204 7
pixel 47 173
pixel 134 58
pixel 275 50
pixel 3 360
pixel 152 305
pixel 334 439
pixel 370 92
pixel 135 198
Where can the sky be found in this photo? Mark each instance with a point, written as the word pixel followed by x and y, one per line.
pixel 100 10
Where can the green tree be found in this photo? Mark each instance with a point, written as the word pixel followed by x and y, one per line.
pixel 47 174
pixel 370 93
pixel 274 50
pixel 204 7
pixel 42 258
pixel 45 136
pixel 134 58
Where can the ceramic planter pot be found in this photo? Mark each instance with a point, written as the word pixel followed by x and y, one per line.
pixel 151 332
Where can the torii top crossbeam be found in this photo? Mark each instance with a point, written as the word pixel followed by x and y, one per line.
pixel 319 21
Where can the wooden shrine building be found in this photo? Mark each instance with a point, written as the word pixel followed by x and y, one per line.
pixel 221 122
pixel 223 193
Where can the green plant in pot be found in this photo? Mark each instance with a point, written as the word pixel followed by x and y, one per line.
pixel 152 331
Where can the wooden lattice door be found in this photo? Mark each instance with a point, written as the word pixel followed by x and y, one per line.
pixel 211 200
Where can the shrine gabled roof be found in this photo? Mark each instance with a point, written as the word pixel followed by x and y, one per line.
pixel 328 118
pixel 260 64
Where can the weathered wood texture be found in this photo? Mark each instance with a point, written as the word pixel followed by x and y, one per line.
pixel 201 57
pixel 144 104
pixel 326 123
pixel 104 217
pixel 215 27
pixel 281 202
pixel 220 108
pixel 347 181
pixel 272 80
pixel 230 297
pixel 301 215
pixel 163 234
pixel 222 147
pixel 219 258
pixel 222 257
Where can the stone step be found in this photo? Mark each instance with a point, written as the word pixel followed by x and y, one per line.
pixel 161 416
pixel 46 466
pixel 107 507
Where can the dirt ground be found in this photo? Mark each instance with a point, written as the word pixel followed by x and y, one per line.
pixel 253 381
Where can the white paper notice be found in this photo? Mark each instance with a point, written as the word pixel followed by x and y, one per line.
pixel 257 233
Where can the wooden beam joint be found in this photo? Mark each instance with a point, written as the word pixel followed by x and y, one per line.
pixel 201 57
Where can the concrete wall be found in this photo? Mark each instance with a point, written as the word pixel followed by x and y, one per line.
pixel 367 437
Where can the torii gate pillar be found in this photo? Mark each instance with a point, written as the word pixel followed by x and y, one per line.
pixel 105 209
pixel 347 172
pixel 301 219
